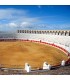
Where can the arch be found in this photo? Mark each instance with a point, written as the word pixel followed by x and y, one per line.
pixel 40 32
pixel 47 32
pixel 44 32
pixel 55 32
pixel 66 33
pixel 35 32
pixel 50 32
pixel 27 31
pixel 59 32
pixel 17 31
pixel 69 33
pixel 30 31
pixel 62 33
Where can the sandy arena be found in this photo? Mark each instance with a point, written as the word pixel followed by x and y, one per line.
pixel 17 53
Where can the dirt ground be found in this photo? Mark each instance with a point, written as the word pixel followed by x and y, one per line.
pixel 16 54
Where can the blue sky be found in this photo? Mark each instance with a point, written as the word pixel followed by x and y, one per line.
pixel 36 17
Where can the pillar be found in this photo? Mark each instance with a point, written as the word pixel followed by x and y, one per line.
pixel 69 33
pixel 63 63
pixel 59 32
pixel 27 67
pixel 66 33
pixel 56 33
pixel 46 66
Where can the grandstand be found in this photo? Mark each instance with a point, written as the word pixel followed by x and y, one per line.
pixel 58 37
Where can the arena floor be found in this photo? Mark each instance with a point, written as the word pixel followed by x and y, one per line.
pixel 17 53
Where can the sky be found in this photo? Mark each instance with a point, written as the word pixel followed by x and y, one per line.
pixel 34 17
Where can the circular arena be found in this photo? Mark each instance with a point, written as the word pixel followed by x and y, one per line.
pixel 34 47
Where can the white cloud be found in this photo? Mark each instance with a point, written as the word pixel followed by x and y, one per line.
pixel 13 18
pixel 11 13
pixel 25 23
pixel 12 25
